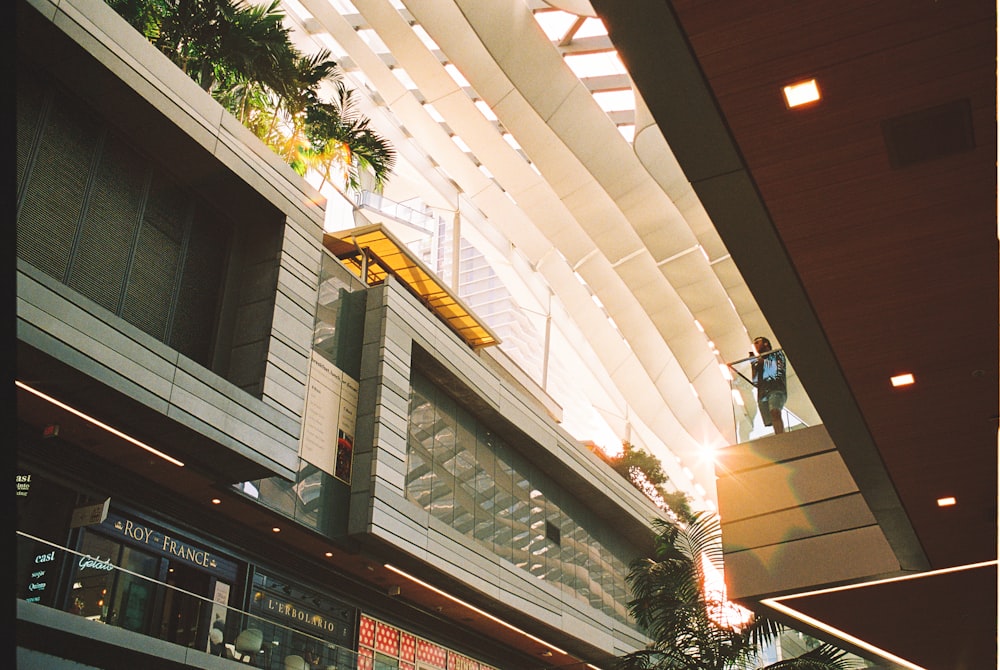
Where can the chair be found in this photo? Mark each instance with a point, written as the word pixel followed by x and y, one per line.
pixel 216 643
pixel 295 662
pixel 248 644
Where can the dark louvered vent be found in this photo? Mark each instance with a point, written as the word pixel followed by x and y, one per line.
pixel 29 117
pixel 149 293
pixel 122 229
pixel 929 133
pixel 48 215
pixel 107 235
pixel 194 320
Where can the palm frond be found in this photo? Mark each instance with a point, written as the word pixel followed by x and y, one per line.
pixel 670 604
pixel 242 54
pixel 823 657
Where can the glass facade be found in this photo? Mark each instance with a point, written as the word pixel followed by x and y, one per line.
pixel 471 479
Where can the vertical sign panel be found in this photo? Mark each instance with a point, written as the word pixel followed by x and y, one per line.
pixel 319 426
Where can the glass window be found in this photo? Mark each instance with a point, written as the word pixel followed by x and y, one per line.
pixel 553 536
pixel 503 536
pixel 419 468
pixel 485 488
pixel 521 512
pixel 101 593
pixel 465 474
pixel 469 478
pixel 538 544
pixel 443 457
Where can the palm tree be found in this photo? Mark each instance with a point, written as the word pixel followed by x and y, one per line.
pixel 340 138
pixel 190 34
pixel 216 42
pixel 143 15
pixel 242 54
pixel 691 626
pixel 295 91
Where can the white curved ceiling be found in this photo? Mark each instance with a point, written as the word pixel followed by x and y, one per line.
pixel 640 281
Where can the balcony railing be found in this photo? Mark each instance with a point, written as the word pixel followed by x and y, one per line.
pixel 753 422
pixel 111 595
pixel 397 211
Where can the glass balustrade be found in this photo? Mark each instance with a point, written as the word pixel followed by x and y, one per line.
pixel 751 410
pixel 108 594
pixel 398 211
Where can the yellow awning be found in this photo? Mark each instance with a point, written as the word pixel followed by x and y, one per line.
pixel 373 253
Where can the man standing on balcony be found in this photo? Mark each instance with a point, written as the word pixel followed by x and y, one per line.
pixel 768 372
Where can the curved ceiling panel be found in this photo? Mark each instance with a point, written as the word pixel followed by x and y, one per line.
pixel 578 7
pixel 640 282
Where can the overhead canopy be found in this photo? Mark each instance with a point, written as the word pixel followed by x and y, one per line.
pixel 373 254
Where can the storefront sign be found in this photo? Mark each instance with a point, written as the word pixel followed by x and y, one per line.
pixel 44 565
pixel 95 563
pixel 299 614
pixel 140 534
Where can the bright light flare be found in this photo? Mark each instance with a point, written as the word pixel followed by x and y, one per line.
pixel 724 613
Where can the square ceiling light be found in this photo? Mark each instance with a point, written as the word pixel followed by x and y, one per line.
pixel 801 93
pixel 902 380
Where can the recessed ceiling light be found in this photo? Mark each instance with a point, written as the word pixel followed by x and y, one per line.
pixel 216 501
pixel 902 380
pixel 947 501
pixel 329 554
pixel 801 93
pixel 276 529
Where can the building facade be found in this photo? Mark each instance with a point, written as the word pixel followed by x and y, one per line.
pixel 230 447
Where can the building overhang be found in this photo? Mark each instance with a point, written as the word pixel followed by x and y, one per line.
pixel 65 413
pixel 373 254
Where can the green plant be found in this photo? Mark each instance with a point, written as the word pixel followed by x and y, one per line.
pixel 644 472
pixel 243 56
pixel 690 624
pixel 339 137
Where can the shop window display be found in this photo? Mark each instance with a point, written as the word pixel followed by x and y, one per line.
pixel 382 646
pixel 117 597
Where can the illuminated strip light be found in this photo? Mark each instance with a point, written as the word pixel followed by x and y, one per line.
pixel 99 424
pixel 473 608
pixel 795 614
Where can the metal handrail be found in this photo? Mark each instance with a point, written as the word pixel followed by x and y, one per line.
pixel 246 619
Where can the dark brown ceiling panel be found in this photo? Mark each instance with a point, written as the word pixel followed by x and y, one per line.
pixel 866 227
